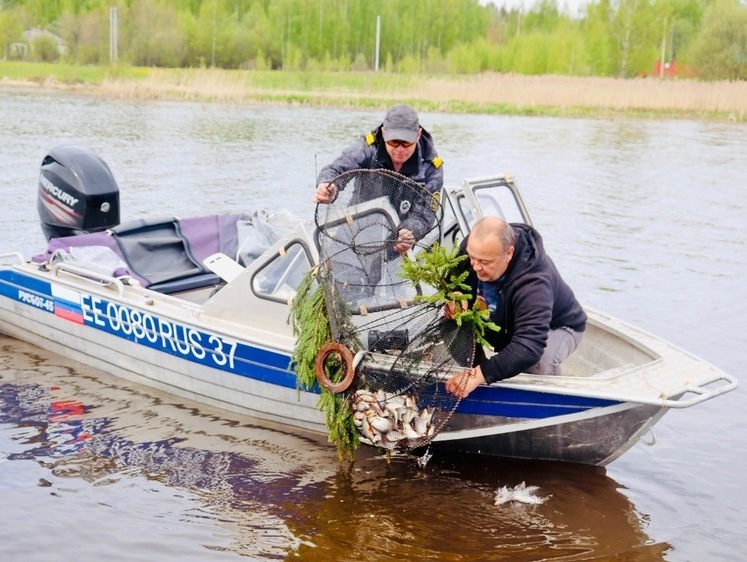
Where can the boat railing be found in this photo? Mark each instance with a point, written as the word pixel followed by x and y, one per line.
pixel 695 394
pixel 683 396
pixel 99 279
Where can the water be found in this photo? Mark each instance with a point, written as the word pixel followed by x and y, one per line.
pixel 646 219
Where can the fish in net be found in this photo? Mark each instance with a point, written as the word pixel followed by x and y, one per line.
pixel 398 350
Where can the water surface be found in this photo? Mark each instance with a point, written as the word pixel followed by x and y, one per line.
pixel 646 220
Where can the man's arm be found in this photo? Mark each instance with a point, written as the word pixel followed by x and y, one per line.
pixel 532 306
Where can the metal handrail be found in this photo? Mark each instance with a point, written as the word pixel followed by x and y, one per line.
pixel 701 394
pixel 99 279
pixel 700 391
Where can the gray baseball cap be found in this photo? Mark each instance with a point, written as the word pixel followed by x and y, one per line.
pixel 401 123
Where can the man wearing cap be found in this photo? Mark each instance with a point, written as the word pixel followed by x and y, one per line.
pixel 401 145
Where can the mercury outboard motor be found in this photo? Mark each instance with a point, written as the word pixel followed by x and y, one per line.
pixel 77 193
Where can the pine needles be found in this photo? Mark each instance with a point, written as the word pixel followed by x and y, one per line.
pixel 312 329
pixel 439 268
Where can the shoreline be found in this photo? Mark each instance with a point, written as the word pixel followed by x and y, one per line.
pixel 490 93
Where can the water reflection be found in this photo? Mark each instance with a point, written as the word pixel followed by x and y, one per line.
pixel 78 426
pixel 447 512
pixel 272 494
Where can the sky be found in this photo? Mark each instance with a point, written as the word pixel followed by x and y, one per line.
pixel 568 6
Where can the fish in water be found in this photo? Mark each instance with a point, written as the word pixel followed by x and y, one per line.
pixel 520 493
pixel 422 461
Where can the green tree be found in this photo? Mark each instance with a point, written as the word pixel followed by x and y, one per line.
pixel 44 48
pixel 685 20
pixel 258 31
pixel 10 31
pixel 720 50
pixel 154 35
pixel 610 37
pixel 599 42
pixel 86 35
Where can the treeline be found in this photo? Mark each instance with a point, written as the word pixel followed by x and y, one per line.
pixel 617 38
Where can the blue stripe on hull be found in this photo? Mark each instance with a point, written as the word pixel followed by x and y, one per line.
pixel 512 403
pixel 219 352
pixel 143 328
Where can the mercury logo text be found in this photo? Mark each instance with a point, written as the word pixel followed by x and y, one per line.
pixel 57 193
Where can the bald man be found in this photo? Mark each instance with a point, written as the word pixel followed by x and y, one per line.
pixel 541 321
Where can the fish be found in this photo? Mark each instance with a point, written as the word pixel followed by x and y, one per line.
pixel 423 460
pixel 410 433
pixel 520 493
pixel 380 424
pixel 391 420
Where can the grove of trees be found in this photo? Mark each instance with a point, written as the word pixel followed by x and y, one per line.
pixel 706 38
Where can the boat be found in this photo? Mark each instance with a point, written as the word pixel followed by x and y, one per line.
pixel 200 307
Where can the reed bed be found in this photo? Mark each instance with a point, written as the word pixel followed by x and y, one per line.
pixel 488 93
pixel 612 93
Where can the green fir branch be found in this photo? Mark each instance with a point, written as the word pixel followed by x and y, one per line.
pixel 311 326
pixel 438 267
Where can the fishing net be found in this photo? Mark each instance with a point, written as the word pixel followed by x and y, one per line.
pixel 404 349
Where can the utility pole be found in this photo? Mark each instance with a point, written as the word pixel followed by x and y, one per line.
pixel 378 43
pixel 113 35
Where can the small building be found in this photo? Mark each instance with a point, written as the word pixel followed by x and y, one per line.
pixel 22 49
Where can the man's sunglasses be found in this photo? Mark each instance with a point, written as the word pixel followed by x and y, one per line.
pixel 396 143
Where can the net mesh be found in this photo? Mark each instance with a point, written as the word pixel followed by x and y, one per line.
pixel 405 348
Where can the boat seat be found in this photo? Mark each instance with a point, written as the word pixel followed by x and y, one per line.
pixel 163 254
pixel 157 251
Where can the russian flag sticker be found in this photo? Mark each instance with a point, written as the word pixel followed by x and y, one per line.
pixel 67 304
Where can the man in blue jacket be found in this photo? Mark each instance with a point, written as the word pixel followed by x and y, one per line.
pixel 401 145
pixel 540 319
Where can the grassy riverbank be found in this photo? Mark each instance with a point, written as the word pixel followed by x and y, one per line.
pixel 510 94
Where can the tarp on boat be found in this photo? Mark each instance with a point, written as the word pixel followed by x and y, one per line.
pixel 167 254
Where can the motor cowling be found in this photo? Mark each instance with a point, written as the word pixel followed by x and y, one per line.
pixel 77 193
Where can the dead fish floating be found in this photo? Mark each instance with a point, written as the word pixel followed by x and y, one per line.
pixel 520 493
pixel 391 420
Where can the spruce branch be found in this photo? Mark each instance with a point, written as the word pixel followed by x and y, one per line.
pixel 438 267
pixel 311 326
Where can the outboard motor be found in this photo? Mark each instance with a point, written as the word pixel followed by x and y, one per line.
pixel 77 193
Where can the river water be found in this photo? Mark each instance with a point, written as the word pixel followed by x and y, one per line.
pixel 647 220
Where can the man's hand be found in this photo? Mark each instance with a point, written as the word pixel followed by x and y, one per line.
pixel 461 384
pixel 451 308
pixel 405 242
pixel 325 193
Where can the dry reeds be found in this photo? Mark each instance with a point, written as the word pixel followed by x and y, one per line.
pixel 612 93
pixel 489 92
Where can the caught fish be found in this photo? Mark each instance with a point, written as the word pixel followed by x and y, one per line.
pixel 365 395
pixel 421 426
pixel 410 433
pixel 395 436
pixel 520 493
pixel 382 425
pixel 391 420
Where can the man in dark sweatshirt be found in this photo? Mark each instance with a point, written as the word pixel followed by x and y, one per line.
pixel 541 321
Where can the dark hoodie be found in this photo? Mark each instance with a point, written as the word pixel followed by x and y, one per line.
pixel 533 299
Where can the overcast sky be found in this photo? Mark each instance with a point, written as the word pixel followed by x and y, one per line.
pixel 569 6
